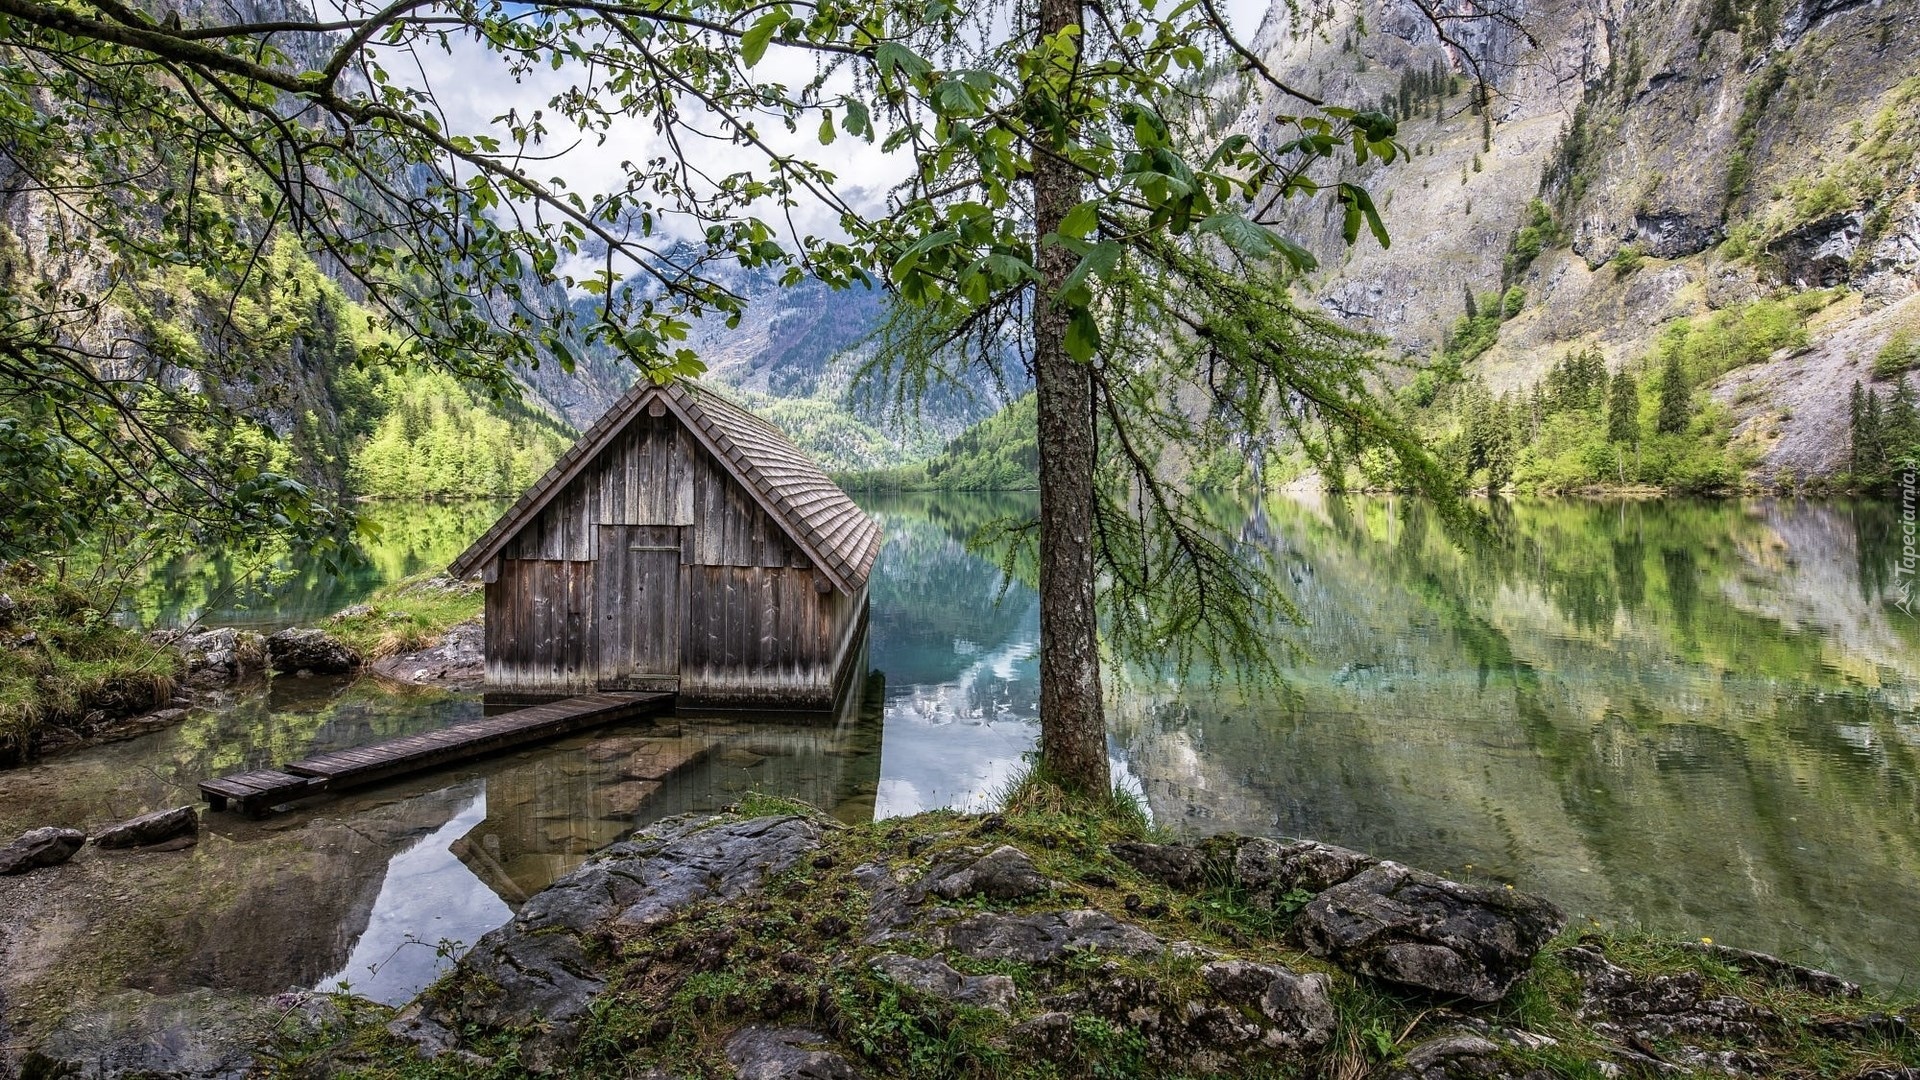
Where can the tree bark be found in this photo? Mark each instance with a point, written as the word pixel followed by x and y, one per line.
pixel 1073 732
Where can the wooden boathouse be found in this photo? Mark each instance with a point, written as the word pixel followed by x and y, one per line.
pixel 683 545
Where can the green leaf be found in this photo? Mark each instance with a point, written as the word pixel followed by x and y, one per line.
pixel 1360 208
pixel 858 121
pixel 890 56
pixel 1081 220
pixel 1254 240
pixel 1083 335
pixel 753 43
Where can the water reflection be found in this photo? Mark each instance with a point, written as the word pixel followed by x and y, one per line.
pixel 276 588
pixel 429 908
pixel 1698 717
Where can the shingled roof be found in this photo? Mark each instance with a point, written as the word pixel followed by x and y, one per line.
pixel 819 517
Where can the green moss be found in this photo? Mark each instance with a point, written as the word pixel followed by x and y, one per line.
pixel 791 955
pixel 408 615
pixel 63 658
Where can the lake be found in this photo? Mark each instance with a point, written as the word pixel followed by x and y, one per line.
pixel 1695 717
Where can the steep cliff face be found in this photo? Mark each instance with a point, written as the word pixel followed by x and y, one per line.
pixel 1687 157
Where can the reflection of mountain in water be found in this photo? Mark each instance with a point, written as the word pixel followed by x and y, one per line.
pixel 1682 714
pixel 957 640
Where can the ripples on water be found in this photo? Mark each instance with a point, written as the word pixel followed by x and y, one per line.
pixel 1697 717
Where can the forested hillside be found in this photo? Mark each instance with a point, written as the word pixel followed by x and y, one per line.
pixel 997 454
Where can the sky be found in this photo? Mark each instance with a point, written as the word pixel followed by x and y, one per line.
pixel 472 88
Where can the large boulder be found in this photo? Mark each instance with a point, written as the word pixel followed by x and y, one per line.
pixel 148 829
pixel 1174 865
pixel 35 848
pixel 1270 870
pixel 219 657
pixel 935 977
pixel 314 652
pixel 545 967
pixel 1419 930
pixel 1005 873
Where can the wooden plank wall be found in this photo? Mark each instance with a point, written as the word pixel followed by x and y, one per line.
pixel 754 635
pixel 540 615
pixel 755 629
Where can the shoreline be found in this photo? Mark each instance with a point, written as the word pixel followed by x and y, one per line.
pixel 1042 941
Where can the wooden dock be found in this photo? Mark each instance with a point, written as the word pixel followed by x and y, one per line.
pixel 339 770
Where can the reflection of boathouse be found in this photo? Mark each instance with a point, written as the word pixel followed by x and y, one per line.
pixel 682 544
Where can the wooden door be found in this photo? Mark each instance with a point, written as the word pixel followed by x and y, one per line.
pixel 638 602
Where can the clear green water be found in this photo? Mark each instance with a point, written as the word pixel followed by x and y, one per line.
pixel 1694 717
pixel 278 589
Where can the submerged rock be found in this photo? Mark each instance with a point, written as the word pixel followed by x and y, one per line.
pixel 1420 930
pixel 147 829
pixel 37 848
pixel 199 1035
pixel 313 652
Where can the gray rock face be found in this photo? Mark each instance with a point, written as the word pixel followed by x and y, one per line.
pixel 937 978
pixel 1812 980
pixel 542 968
pixel 1005 873
pixel 219 657
pixel 1671 234
pixel 1174 865
pixel 1820 253
pixel 459 661
pixel 1046 937
pixel 1296 1007
pixel 1420 930
pixel 316 652
pixel 1269 869
pixel 719 862
pixel 1661 1007
pixel 1454 1056
pixel 157 827
pixel 764 1053
pixel 35 848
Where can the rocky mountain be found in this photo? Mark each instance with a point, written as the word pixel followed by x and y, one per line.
pixel 1636 165
pixel 796 357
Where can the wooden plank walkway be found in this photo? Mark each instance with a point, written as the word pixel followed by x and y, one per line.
pixel 361 765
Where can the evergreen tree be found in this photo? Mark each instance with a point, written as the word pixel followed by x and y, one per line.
pixel 1623 410
pixel 1900 429
pixel 1858 453
pixel 1473 309
pixel 1675 401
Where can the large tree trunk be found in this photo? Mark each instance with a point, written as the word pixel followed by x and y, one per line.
pixel 1073 731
